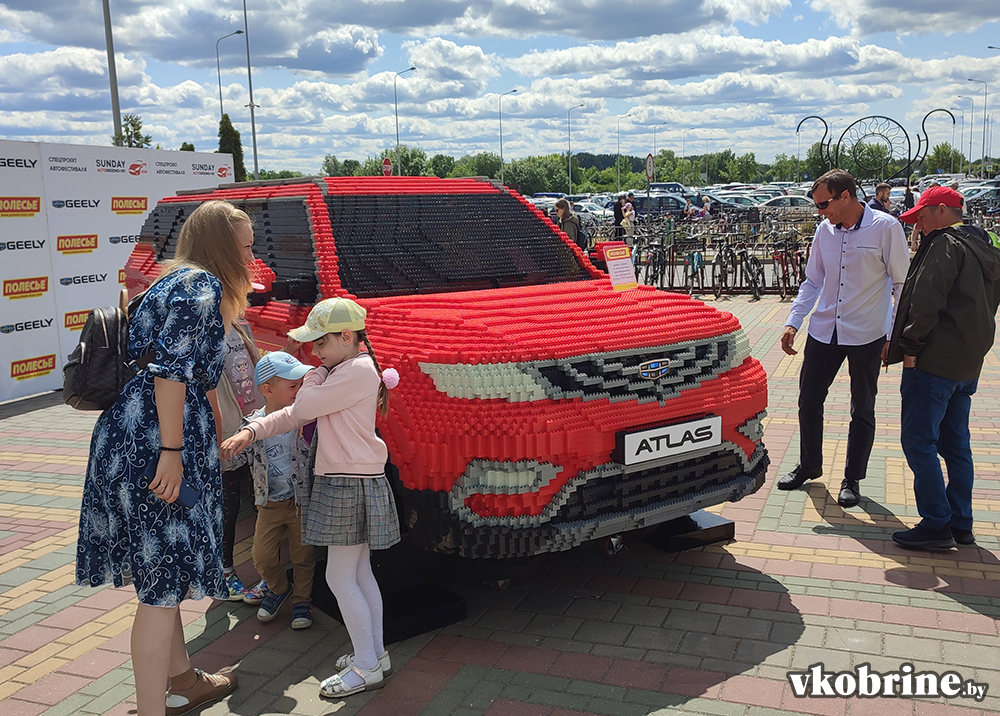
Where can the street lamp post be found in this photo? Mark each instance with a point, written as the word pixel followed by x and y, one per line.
pixel 395 101
pixel 972 124
pixel 116 115
pixel 683 157
pixel 982 161
pixel 500 117
pixel 569 147
pixel 654 148
pixel 253 121
pixel 961 134
pixel 618 162
pixel 218 67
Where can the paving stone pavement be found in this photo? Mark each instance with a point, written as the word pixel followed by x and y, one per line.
pixel 708 631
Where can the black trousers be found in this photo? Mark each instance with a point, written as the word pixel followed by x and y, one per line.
pixel 232 481
pixel 820 364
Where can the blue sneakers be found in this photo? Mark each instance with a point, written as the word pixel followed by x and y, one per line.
pixel 271 604
pixel 302 617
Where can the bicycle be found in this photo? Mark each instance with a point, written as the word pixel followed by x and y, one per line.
pixel 751 271
pixel 723 268
pixel 694 266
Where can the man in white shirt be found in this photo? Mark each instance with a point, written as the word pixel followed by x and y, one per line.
pixel 856 268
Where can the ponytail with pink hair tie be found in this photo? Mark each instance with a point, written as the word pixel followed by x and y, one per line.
pixel 390 378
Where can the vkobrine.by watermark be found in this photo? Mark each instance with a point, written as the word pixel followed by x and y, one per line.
pixel 817 682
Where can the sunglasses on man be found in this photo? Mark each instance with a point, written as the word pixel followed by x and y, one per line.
pixel 823 204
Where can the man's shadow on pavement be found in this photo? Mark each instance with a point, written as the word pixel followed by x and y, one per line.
pixel 966 591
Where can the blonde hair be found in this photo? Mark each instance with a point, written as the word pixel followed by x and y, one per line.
pixel 207 241
pixel 383 392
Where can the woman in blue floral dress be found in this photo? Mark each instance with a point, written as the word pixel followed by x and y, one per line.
pixel 132 530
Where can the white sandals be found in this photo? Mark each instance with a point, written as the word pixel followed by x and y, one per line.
pixel 347 660
pixel 336 688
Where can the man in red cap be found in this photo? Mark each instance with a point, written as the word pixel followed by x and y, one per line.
pixel 944 327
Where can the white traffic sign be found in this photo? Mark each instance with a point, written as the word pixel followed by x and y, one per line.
pixel 650 167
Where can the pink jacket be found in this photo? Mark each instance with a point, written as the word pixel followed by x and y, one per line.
pixel 343 402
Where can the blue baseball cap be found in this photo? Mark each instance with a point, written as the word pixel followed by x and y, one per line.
pixel 279 364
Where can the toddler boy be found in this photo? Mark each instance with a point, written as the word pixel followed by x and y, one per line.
pixel 278 464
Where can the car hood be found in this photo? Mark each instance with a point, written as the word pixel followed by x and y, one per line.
pixel 552 321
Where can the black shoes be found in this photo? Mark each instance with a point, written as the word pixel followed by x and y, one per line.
pixel 850 493
pixel 963 536
pixel 797 477
pixel 924 538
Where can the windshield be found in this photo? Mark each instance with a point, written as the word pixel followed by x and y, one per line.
pixel 399 244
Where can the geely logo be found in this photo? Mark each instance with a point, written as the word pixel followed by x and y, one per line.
pixel 653 369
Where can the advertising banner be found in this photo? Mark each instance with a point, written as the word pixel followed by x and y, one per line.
pixel 71 214
pixel 29 338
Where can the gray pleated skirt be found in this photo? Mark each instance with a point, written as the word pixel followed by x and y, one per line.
pixel 344 511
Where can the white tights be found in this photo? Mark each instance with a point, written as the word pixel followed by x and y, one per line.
pixel 349 574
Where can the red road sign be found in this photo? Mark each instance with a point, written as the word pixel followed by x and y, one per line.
pixel 387 167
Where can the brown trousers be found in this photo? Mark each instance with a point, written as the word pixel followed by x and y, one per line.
pixel 277 520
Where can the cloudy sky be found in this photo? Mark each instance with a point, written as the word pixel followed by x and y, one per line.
pixel 712 74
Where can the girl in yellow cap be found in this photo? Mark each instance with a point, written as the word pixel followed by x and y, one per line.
pixel 350 509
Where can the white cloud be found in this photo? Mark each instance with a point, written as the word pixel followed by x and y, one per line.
pixel 905 17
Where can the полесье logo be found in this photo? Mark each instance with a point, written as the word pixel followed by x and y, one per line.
pixel 80 244
pixel 14 288
pixel 14 206
pixel 33 367
pixel 129 204
pixel 75 319
pixel 121 276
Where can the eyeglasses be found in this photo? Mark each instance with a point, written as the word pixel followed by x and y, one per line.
pixel 823 204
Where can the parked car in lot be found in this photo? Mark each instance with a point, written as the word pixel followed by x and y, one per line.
pixel 590 209
pixel 785 202
pixel 527 418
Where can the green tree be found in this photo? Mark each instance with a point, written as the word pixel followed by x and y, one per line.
pixel 944 157
pixel 743 169
pixel 414 161
pixel 783 169
pixel 282 174
pixel 535 174
pixel 131 134
pixel 332 167
pixel 187 147
pixel 815 163
pixel 351 167
pixel 229 143
pixel 484 164
pixel 442 165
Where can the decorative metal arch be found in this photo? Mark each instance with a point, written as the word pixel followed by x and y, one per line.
pixel 923 142
pixel 824 144
pixel 884 130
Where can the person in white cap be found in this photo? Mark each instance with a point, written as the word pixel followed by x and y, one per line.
pixel 351 509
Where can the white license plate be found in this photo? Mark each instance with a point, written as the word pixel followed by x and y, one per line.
pixel 670 440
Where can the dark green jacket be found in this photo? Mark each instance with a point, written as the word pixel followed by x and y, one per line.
pixel 947 306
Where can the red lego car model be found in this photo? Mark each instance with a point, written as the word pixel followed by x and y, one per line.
pixel 537 407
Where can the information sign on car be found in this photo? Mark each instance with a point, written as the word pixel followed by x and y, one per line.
pixel 387 167
pixel 650 167
pixel 620 268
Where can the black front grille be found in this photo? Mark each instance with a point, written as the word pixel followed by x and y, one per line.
pixel 619 376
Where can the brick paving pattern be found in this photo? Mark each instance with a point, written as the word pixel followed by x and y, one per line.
pixel 708 631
